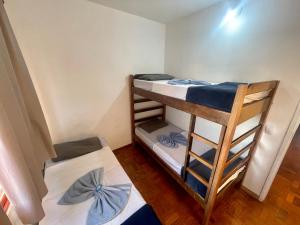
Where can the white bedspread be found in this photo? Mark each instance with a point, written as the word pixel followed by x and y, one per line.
pixel 60 177
pixel 173 157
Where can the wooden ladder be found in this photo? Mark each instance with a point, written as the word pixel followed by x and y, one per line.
pixel 190 153
pixel 222 148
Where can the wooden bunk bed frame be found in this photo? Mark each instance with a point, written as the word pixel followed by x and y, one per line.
pixel 228 120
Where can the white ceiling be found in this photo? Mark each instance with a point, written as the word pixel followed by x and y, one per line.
pixel 162 11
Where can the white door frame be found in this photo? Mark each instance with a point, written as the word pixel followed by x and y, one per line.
pixel 294 124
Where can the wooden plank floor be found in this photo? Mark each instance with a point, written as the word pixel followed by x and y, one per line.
pixel 174 206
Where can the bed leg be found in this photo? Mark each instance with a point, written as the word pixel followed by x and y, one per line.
pixel 208 212
pixel 133 141
pixel 164 113
pixel 131 99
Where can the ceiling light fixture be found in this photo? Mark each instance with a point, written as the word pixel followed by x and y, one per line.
pixel 232 20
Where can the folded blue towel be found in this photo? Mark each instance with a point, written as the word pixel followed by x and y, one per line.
pixel 109 200
pixel 172 140
pixel 178 138
pixel 187 82
pixel 167 141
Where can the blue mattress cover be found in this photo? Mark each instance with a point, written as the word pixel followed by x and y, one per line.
pixel 144 215
pixel 205 172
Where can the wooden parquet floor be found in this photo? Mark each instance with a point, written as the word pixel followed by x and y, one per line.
pixel 175 207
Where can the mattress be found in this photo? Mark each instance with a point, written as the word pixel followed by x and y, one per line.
pixel 59 177
pixel 162 87
pixel 175 158
pixel 180 91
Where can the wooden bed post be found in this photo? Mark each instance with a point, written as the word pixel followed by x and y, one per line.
pixel 131 93
pixel 218 150
pixel 164 112
pixel 189 145
pixel 223 154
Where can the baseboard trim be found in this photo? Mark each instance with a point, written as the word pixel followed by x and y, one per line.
pixel 249 192
pixel 125 146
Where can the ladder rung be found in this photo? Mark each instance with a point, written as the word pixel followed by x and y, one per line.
pixel 148 118
pixel 204 140
pixel 197 176
pixel 201 160
pixel 239 153
pixel 245 135
pixel 148 109
pixel 142 100
pixel 240 165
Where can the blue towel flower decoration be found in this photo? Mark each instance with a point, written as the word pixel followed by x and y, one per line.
pixel 109 200
pixel 172 140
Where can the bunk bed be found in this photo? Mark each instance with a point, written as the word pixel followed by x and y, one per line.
pixel 208 172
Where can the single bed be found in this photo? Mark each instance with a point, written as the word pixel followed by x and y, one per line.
pixel 60 176
pixel 175 158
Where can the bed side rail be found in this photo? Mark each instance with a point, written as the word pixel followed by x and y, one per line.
pixel 205 112
pixel 261 86
pixel 147 110
pixel 250 110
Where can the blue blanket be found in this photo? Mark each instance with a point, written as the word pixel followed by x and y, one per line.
pixel 109 200
pixel 205 172
pixel 144 216
pixel 219 96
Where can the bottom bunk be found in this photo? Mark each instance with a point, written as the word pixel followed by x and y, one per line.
pixel 173 156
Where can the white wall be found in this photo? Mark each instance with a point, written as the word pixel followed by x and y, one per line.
pixel 80 54
pixel 266 47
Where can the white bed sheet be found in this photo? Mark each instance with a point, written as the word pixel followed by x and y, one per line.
pixel 162 87
pixel 173 157
pixel 144 84
pixel 180 91
pixel 59 178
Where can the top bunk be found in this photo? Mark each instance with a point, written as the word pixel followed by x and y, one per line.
pixel 211 101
